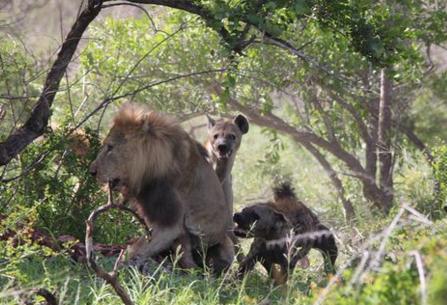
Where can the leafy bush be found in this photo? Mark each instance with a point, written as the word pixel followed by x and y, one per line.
pixel 16 88
pixel 440 170
pixel 55 183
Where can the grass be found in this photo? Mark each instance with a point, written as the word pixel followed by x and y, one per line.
pixel 396 281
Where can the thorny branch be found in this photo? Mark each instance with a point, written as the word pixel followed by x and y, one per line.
pixel 110 277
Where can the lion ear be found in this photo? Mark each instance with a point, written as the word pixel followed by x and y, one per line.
pixel 211 122
pixel 242 123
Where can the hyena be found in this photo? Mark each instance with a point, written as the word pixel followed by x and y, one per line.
pixel 224 139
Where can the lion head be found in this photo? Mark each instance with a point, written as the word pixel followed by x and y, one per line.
pixel 141 145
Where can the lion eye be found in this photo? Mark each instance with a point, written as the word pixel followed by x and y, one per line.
pixel 109 147
pixel 216 136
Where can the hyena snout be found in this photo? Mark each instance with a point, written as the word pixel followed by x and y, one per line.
pixel 223 148
pixel 237 217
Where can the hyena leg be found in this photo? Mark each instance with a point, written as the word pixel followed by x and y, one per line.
pixel 274 271
pixel 280 277
pixel 237 248
pixel 253 256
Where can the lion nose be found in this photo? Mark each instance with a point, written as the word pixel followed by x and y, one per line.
pixel 93 170
pixel 223 148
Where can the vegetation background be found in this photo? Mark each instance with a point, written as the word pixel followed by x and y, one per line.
pixel 346 99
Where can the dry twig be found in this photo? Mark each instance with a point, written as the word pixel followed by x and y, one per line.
pixel 110 277
pixel 420 267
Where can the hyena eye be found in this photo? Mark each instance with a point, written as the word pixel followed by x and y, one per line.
pixel 109 147
pixel 232 137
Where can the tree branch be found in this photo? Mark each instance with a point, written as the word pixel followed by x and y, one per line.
pixel 38 121
pixel 347 204
pixel 303 136
pixel 110 277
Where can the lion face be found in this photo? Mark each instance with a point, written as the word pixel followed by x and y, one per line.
pixel 111 166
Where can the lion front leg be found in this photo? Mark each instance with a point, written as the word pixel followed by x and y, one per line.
pixel 186 260
pixel 162 238
pixel 221 256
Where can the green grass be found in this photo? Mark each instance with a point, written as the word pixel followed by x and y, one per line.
pixel 395 282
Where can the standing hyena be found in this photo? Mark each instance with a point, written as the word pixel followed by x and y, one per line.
pixel 224 139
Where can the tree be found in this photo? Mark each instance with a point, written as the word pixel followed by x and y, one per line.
pixel 333 102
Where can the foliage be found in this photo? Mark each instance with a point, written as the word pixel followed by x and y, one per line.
pixel 174 65
pixel 156 57
pixel 378 31
pixel 397 281
pixel 17 88
pixel 56 184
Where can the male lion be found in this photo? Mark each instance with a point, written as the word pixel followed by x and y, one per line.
pixel 149 158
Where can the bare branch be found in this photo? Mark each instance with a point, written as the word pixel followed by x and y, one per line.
pixel 421 272
pixel 387 233
pixel 37 122
pixel 348 209
pixel 110 277
pixel 137 6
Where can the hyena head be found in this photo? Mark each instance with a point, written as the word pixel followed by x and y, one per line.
pixel 224 135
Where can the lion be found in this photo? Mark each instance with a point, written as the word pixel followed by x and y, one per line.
pixel 151 160
pixel 284 231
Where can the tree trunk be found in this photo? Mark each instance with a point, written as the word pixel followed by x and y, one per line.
pixel 371 147
pixel 384 140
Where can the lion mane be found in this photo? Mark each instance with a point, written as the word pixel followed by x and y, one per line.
pixel 161 146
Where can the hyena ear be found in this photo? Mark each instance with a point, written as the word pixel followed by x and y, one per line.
pixel 211 122
pixel 280 218
pixel 242 123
